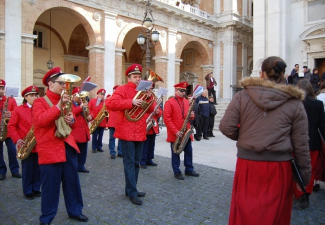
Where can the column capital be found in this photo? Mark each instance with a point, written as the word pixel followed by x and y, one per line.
pixel 172 31
pixel 110 15
pixel 28 38
pixel 119 51
pixel 207 67
pixel 178 61
pixel 96 48
pixel 160 59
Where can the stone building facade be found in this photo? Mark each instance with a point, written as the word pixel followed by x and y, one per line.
pixel 97 38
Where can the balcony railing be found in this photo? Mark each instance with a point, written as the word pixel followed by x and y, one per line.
pixel 187 8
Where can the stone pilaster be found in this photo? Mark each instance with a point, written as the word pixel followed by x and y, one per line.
pixel 2 54
pixel 177 72
pixel 110 38
pixel 229 68
pixel 161 64
pixel 171 70
pixel 119 70
pixel 217 68
pixel 27 61
pixel 244 59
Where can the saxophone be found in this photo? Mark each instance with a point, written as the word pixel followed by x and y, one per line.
pixel 4 122
pixel 99 118
pixel 23 151
pixel 150 121
pixel 179 144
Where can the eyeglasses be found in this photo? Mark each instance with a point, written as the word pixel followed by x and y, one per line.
pixel 182 90
pixel 60 82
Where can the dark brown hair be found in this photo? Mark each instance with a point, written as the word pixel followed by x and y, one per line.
pixel 315 69
pixel 305 85
pixel 274 67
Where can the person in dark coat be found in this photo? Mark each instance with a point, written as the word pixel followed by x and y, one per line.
pixel 315 80
pixel 213 113
pixel 204 111
pixel 294 77
pixel 316 122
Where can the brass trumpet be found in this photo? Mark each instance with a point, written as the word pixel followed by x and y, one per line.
pixel 137 112
pixel 69 80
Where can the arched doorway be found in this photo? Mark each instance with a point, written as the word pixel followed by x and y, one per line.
pixel 191 79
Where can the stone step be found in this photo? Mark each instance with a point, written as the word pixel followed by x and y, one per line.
pixel 221 109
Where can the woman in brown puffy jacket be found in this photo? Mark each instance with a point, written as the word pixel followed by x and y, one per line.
pixel 268 120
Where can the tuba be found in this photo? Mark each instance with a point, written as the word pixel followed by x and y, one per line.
pixel 63 129
pixel 23 151
pixel 103 113
pixel 4 122
pixel 137 112
pixel 179 144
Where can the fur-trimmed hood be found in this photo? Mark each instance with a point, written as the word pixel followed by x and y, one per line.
pixel 268 95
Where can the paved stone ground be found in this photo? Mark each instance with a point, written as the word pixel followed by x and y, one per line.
pixel 202 200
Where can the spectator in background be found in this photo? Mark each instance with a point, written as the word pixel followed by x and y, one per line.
pixel 210 83
pixel 294 77
pixel 307 73
pixel 316 123
pixel 213 113
pixel 315 80
pixel 204 112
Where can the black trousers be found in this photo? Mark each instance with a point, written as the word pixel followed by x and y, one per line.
pixel 203 127
pixel 211 125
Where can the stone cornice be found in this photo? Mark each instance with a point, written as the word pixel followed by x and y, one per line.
pixel 160 59
pixel 96 48
pixel 28 38
pixel 75 58
pixel 207 67
pixel 119 51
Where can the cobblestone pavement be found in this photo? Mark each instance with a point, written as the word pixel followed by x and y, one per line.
pixel 202 200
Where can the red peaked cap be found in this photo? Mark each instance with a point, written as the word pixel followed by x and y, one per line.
pixel 182 85
pixel 52 73
pixel 2 83
pixel 101 91
pixel 30 90
pixel 75 90
pixel 133 69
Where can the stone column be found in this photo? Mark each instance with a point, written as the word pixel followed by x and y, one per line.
pixel 27 60
pixel 177 71
pixel 244 62
pixel 119 70
pixel 96 66
pixel 109 62
pixel 229 68
pixel 161 64
pixel 2 54
pixel 12 45
pixel 171 76
pixel 217 67
pixel 230 6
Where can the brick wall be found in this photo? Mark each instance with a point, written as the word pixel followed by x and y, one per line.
pixel 240 7
pixel 207 5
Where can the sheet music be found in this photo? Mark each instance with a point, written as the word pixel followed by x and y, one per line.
pixel 12 92
pixel 144 85
pixel 162 91
pixel 98 101
pixel 88 86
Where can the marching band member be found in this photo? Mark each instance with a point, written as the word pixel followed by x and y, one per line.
pixel 81 131
pixel 148 152
pixel 57 156
pixel 18 127
pixel 131 134
pixel 175 111
pixel 97 136
pixel 13 162
pixel 111 126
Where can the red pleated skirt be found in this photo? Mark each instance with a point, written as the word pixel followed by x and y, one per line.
pixel 262 193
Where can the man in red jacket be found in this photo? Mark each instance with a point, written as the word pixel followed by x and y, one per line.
pixel 81 131
pixel 175 111
pixel 57 156
pixel 13 163
pixel 95 105
pixel 111 126
pixel 131 134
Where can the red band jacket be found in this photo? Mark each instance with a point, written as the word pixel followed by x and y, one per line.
pixel 20 123
pixel 120 101
pixel 81 130
pixel 50 149
pixel 94 110
pixel 175 111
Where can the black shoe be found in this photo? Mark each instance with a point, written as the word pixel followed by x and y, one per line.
pixel 140 194
pixel 316 187
pixel 198 139
pixel 30 196
pixel 143 166
pixel 100 150
pixel 136 200
pixel 81 218
pixel 152 164
pixel 120 155
pixel 113 156
pixel 304 201
pixel 16 175
pixel 206 138
pixel 94 151
pixel 37 193
pixel 212 135
pixel 179 176
pixel 2 176
pixel 83 171
pixel 192 173
pixel 41 223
